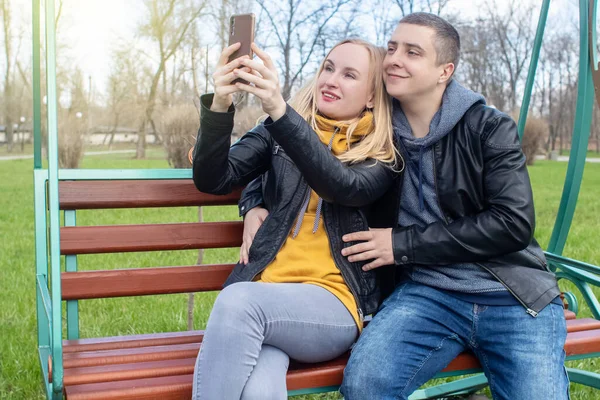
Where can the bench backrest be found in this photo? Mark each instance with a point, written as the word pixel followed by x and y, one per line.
pixel 110 194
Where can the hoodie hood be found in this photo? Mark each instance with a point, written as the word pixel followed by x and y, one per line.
pixel 456 101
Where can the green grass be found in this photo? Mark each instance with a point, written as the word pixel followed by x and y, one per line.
pixel 20 376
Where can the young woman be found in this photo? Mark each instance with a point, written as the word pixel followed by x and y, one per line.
pixel 324 157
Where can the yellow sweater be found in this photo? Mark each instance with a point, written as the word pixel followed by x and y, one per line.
pixel 307 259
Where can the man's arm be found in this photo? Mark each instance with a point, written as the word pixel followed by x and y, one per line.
pixel 507 223
pixel 505 226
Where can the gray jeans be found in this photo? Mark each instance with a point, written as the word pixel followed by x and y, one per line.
pixel 253 330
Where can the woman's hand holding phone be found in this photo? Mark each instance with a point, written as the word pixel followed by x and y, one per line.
pixel 223 78
pixel 265 83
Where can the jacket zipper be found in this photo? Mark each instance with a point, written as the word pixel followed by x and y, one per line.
pixel 437 196
pixel 360 312
pixel 527 309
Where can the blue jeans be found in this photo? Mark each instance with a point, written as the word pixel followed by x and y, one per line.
pixel 419 330
pixel 253 330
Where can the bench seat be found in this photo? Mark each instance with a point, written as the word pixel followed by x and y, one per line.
pixel 160 366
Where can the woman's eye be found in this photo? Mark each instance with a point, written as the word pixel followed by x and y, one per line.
pixel 351 76
pixel 390 50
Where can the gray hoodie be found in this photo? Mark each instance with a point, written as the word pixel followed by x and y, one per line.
pixel 419 204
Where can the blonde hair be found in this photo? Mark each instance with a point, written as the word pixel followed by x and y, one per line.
pixel 379 143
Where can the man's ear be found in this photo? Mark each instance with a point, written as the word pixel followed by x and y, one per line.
pixel 447 73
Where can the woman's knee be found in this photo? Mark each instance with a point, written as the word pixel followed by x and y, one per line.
pixel 234 298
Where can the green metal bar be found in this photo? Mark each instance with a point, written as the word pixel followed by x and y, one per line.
pixel 123 174
pixel 581 133
pixel 460 387
pixel 583 276
pixel 57 360
pixel 553 258
pixel 586 378
pixel 42 290
pixel 537 45
pixel 572 302
pixel 37 91
pixel 582 356
pixel 41 251
pixel 586 292
pixel 71 266
pixel 43 356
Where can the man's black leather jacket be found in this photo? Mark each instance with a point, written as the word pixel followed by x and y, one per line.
pixel 485 194
pixel 292 158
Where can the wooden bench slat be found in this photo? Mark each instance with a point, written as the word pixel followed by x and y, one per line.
pixel 88 195
pixel 122 372
pixel 582 324
pixel 570 315
pixel 583 342
pixel 150 237
pixel 169 388
pixel 143 281
pixel 196 336
pixel 128 356
pixel 132 341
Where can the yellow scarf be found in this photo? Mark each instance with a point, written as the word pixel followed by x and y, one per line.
pixel 327 127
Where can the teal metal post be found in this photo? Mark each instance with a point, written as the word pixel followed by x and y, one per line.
pixel 54 222
pixel 71 266
pixel 37 97
pixel 581 133
pixel 539 35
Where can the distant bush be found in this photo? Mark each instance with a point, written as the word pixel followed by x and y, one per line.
pixel 536 131
pixel 179 127
pixel 71 131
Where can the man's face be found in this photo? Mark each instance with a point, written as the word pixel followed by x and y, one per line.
pixel 410 65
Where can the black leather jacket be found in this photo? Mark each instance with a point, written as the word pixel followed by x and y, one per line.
pixel 294 161
pixel 485 194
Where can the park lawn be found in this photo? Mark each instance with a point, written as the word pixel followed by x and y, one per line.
pixel 19 370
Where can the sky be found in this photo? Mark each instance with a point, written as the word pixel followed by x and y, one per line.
pixel 93 27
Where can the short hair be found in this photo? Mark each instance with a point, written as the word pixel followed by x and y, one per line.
pixel 447 39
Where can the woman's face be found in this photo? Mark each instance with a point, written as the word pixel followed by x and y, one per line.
pixel 343 87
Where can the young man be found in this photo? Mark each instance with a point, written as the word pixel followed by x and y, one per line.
pixel 467 272
pixel 474 277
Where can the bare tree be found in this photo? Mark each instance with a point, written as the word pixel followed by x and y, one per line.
pixel 296 28
pixel 411 6
pixel 513 35
pixel 479 66
pixel 168 23
pixel 5 9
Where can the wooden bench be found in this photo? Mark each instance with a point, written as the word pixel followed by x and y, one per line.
pixel 160 366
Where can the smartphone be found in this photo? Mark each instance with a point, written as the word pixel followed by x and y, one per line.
pixel 241 29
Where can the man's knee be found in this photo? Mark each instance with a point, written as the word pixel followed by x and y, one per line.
pixel 364 379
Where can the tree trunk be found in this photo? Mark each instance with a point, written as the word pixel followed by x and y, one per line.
pixel 140 151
